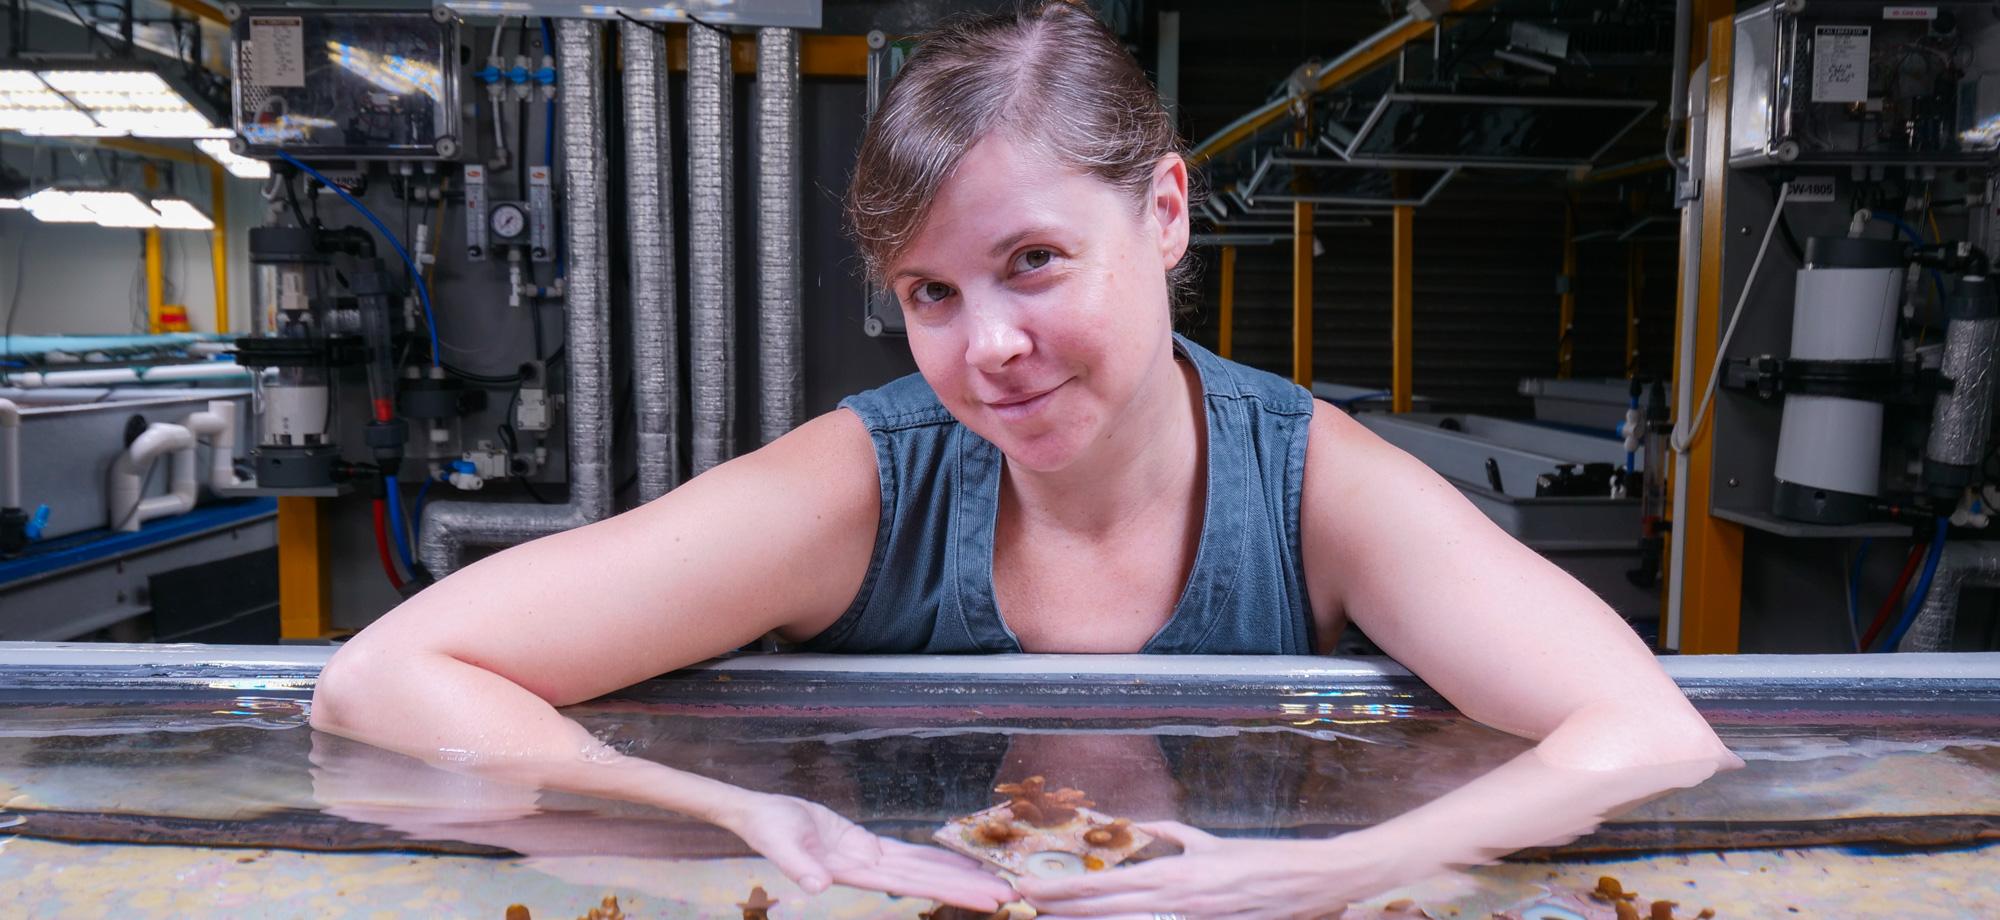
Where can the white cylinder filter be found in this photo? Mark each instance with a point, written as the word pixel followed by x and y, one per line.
pixel 1830 446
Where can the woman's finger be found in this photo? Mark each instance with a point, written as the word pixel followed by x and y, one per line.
pixel 984 893
pixel 808 871
pixel 900 850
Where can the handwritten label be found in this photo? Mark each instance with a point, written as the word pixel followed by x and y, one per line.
pixel 277 51
pixel 1840 63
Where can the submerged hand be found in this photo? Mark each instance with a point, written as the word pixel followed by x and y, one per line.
pixel 1215 878
pixel 816 847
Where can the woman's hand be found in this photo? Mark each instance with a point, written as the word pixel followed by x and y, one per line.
pixel 815 848
pixel 1217 877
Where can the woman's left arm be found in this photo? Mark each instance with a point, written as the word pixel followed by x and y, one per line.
pixel 1506 636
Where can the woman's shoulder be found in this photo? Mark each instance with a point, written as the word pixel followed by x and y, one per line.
pixel 1222 378
pixel 906 402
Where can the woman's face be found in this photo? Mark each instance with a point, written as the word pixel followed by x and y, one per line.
pixel 1036 298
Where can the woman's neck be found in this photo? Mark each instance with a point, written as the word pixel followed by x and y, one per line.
pixel 1150 455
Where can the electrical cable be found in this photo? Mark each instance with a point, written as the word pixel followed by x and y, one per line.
pixel 1937 280
pixel 382 547
pixel 1923 591
pixel 423 290
pixel 549 141
pixel 393 490
pixel 1895 598
pixel 1681 440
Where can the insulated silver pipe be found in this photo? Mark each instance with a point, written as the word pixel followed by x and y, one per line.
pixel 1960 565
pixel 780 369
pixel 711 246
pixel 450 527
pixel 649 186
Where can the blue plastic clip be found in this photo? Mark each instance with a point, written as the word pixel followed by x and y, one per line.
pixel 490 75
pixel 38 523
pixel 518 75
pixel 546 76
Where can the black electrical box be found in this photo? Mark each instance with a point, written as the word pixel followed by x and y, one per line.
pixel 347 84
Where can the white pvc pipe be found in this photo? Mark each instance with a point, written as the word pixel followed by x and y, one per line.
pixel 215 370
pixel 10 454
pixel 126 508
pixel 218 424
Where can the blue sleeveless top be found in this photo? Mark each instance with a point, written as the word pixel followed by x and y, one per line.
pixel 929 586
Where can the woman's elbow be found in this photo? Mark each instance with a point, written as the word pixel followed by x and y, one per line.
pixel 340 699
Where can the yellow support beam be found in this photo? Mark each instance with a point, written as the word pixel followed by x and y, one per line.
pixel 1712 564
pixel 1402 308
pixel 155 274
pixel 304 601
pixel 1359 61
pixel 200 10
pixel 218 211
pixel 1226 340
pixel 819 55
pixel 1566 325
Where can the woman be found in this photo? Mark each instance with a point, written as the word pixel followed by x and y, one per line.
pixel 1065 475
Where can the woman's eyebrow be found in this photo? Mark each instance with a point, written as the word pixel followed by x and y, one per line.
pixel 1014 239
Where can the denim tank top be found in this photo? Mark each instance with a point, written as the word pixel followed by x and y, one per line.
pixel 929 587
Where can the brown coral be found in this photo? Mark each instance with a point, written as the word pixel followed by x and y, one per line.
pixel 518 912
pixel 1663 910
pixel 758 905
pixel 1031 801
pixel 607 909
pixel 998 832
pixel 1110 836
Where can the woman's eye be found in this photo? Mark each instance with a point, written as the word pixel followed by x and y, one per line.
pixel 1032 259
pixel 930 292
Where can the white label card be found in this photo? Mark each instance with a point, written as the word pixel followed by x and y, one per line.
pixel 277 51
pixel 1840 63
pixel 1809 190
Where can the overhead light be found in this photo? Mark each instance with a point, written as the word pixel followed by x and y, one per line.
pixel 241 167
pixel 99 102
pixel 178 214
pixel 10 204
pixel 114 208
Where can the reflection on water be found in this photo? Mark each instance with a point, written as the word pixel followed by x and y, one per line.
pixel 229 796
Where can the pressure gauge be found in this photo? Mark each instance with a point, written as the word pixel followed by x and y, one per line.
pixel 509 222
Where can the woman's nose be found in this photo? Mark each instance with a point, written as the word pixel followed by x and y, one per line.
pixel 996 339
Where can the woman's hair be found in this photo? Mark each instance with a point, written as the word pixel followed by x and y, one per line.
pixel 1049 75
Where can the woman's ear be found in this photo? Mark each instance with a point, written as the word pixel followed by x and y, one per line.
pixel 1168 201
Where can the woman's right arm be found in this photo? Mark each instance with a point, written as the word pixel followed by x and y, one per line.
pixel 468 674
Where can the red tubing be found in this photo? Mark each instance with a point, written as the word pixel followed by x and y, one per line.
pixel 389 563
pixel 1895 598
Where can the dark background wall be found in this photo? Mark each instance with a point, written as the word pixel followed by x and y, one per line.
pixel 1488 249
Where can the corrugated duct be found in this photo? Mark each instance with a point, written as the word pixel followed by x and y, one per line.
pixel 649 185
pixel 711 247
pixel 781 375
pixel 1960 566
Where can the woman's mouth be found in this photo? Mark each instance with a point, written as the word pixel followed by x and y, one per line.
pixel 1025 406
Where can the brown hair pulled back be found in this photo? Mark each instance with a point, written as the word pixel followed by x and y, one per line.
pixel 1049 74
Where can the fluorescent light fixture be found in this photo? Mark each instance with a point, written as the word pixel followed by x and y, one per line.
pixel 241 167
pixel 113 208
pixel 99 103
pixel 178 214
pixel 10 204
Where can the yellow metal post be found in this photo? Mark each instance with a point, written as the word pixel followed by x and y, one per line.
pixel 218 208
pixel 1566 331
pixel 155 276
pixel 1712 562
pixel 1226 340
pixel 1402 309
pixel 304 602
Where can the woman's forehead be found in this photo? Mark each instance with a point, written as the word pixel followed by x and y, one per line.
pixel 1002 189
